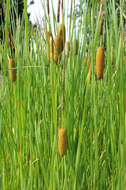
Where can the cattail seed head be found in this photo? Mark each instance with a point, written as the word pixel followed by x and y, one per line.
pixel 68 48
pixel 76 46
pixel 48 36
pixel 100 57
pixel 62 33
pixel 62 141
pixel 58 46
pixel 12 70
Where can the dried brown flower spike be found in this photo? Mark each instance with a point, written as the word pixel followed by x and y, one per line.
pixel 62 141
pixel 12 70
pixel 62 33
pixel 58 46
pixel 100 57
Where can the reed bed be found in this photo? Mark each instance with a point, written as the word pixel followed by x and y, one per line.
pixel 60 126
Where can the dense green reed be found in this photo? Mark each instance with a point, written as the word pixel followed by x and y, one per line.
pixel 94 114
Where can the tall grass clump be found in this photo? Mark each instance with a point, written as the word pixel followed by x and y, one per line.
pixel 87 151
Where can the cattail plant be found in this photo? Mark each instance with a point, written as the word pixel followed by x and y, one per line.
pixel 58 11
pixel 12 69
pixel 62 141
pixel 100 57
pixel 62 33
pixel 48 11
pixel 62 30
pixel 58 46
pixel 59 40
pixel 11 64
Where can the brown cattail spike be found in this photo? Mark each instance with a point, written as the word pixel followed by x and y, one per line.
pixel 48 36
pixel 58 46
pixel 62 10
pixel 62 33
pixel 58 11
pixel 62 141
pixel 48 10
pixel 100 57
pixel 12 70
pixel 68 47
